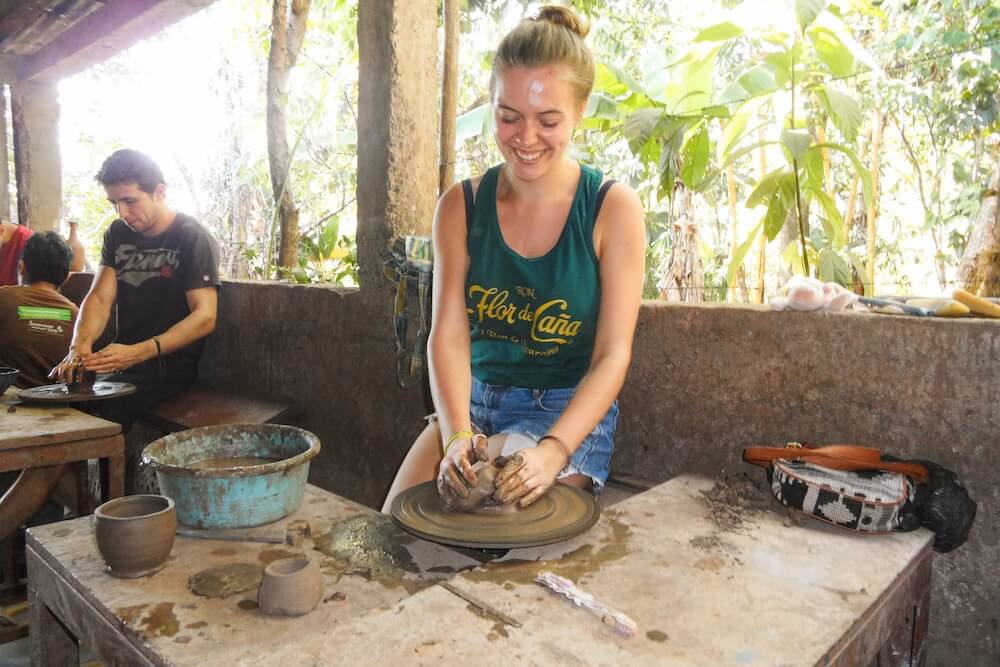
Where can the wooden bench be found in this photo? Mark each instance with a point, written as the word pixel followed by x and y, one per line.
pixel 199 405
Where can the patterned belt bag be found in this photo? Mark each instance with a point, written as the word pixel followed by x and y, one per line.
pixel 844 485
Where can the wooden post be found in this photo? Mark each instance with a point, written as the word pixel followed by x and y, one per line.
pixel 397 127
pixel 449 95
pixel 4 166
pixel 37 166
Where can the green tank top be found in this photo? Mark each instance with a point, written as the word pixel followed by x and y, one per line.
pixel 533 321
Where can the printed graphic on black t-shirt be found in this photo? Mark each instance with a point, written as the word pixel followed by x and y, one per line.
pixel 154 275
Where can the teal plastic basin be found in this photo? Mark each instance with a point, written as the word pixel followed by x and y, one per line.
pixel 239 496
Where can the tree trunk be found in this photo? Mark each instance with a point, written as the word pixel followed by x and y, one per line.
pixel 873 204
pixel 979 270
pixel 737 291
pixel 287 30
pixel 683 279
pixel 4 165
pixel 762 245
pixel 449 95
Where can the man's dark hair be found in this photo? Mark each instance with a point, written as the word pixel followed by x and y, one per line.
pixel 129 166
pixel 46 259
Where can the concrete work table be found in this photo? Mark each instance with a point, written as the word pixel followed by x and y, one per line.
pixel 704 587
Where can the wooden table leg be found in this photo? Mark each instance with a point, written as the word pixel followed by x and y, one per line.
pixel 51 643
pixel 83 498
pixel 113 475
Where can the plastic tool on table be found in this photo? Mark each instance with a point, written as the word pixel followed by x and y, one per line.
pixel 895 305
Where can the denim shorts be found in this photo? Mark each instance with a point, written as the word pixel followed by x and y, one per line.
pixel 532 412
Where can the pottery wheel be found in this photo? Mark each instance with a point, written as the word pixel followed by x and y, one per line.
pixel 564 512
pixel 60 393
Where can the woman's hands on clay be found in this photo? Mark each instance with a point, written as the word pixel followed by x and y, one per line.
pixel 530 473
pixel 455 475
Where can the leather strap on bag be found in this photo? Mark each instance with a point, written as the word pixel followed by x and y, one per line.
pixel 837 457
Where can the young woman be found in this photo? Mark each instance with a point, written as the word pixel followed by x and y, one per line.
pixel 537 286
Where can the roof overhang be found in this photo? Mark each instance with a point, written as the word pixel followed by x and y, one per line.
pixel 46 40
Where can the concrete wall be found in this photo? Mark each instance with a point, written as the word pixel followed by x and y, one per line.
pixel 705 382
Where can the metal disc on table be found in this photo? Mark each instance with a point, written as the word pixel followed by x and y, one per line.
pixel 60 393
pixel 564 512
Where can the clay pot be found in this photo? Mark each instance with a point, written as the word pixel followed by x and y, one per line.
pixel 291 587
pixel 79 261
pixel 135 534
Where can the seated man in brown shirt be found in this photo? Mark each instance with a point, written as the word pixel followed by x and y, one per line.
pixel 36 321
pixel 36 326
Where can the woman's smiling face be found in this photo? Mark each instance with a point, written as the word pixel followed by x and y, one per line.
pixel 534 113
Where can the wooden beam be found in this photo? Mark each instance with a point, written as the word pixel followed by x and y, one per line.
pixel 23 14
pixel 103 34
pixel 8 68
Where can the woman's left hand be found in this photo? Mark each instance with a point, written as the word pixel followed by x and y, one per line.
pixel 529 473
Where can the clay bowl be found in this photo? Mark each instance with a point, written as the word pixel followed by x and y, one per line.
pixel 291 587
pixel 7 377
pixel 135 534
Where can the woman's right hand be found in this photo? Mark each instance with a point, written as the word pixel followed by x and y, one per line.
pixel 455 475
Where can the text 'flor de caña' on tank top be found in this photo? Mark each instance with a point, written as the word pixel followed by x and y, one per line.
pixel 533 320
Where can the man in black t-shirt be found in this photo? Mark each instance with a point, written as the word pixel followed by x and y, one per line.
pixel 161 268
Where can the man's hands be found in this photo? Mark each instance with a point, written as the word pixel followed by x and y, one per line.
pixel 70 369
pixel 112 359
pixel 530 473
pixel 117 357
pixel 455 474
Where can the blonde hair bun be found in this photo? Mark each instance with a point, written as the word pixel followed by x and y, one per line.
pixel 565 17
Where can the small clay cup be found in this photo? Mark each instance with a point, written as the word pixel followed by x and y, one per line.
pixel 135 534
pixel 291 587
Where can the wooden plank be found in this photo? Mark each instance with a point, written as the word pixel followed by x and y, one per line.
pixel 51 643
pixel 66 617
pixel 702 588
pixel 64 452
pixel 892 630
pixel 202 406
pixel 106 32
pixel 31 425
pixel 23 14
pixel 165 621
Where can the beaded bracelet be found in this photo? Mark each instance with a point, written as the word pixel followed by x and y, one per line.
pixel 458 435
pixel 559 441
